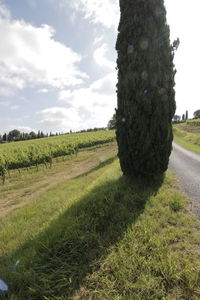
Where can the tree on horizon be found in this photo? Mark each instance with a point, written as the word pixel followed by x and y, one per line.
pixel 112 122
pixel 196 114
pixel 145 88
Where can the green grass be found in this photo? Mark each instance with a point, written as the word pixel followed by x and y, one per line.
pixel 187 140
pixel 154 260
pixel 100 236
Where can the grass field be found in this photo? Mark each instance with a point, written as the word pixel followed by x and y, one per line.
pixel 83 231
pixel 187 136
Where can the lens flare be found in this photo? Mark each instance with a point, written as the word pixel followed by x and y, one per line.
pixel 162 91
pixel 16 264
pixel 144 75
pixel 144 44
pixel 3 286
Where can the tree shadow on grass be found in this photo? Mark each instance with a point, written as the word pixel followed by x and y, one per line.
pixel 56 262
pixel 101 165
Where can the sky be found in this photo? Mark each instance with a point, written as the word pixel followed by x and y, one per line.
pixel 58 59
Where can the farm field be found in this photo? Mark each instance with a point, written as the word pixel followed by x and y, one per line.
pixel 21 188
pixel 80 230
pixel 187 127
pixel 98 198
pixel 41 151
pixel 188 135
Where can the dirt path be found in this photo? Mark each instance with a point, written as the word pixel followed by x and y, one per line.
pixel 187 166
pixel 189 129
pixel 23 188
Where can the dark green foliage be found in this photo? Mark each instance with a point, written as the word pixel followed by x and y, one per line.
pixel 112 123
pixel 13 135
pixel 196 114
pixel 146 102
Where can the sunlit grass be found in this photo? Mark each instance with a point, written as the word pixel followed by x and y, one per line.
pixel 187 140
pixel 157 257
pixel 99 236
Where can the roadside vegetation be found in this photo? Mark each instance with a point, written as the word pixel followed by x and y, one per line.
pixel 188 135
pixel 93 234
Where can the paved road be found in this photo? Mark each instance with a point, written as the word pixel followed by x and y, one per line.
pixel 187 166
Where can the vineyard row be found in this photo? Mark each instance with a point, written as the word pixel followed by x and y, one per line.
pixel 32 153
pixel 193 122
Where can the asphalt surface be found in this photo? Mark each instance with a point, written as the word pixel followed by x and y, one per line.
pixel 186 164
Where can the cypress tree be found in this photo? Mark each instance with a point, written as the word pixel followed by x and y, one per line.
pixel 145 88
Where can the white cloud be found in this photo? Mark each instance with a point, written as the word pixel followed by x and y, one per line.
pixel 98 90
pixel 25 129
pixel 31 55
pixel 5 91
pixel 105 12
pixel 100 58
pixel 4 103
pixel 44 90
pixel 4 12
pixel 60 118
pixel 95 104
pixel 98 39
pixel 14 107
pixel 187 62
pixel 105 85
pixel 9 105
pixel 9 78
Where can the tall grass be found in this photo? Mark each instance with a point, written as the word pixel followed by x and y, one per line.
pixel 188 140
pixel 100 236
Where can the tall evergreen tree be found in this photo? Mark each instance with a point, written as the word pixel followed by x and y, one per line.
pixel 5 137
pixel 145 88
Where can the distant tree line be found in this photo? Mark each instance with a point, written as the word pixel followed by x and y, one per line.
pixel 90 129
pixel 16 135
pixel 179 119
